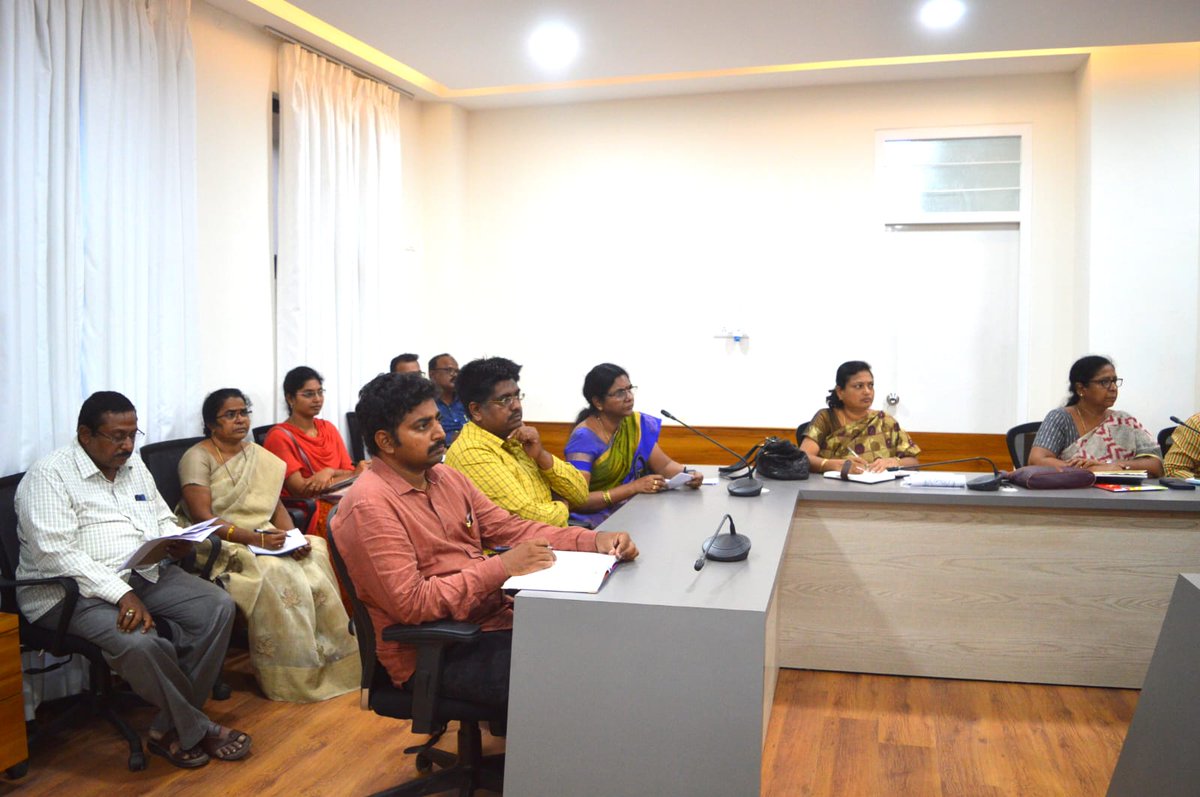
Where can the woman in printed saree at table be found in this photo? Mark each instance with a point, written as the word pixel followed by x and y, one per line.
pixel 1088 432
pixel 849 433
pixel 617 447
pixel 300 647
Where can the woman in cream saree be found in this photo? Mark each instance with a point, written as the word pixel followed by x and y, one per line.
pixel 300 646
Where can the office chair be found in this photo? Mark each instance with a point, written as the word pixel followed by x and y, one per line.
pixel 162 460
pixel 259 433
pixel 1020 442
pixel 800 430
pixel 429 712
pixel 358 450
pixel 101 696
pixel 1164 439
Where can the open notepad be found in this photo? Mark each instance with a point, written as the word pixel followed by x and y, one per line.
pixel 863 478
pixel 572 571
pixel 155 550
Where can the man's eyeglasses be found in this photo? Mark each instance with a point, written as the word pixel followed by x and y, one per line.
pixel 507 401
pixel 312 394
pixel 120 438
pixel 1108 382
pixel 623 392
pixel 453 371
pixel 233 415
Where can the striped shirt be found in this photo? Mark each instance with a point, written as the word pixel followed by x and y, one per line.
pixel 1183 459
pixel 72 521
pixel 506 474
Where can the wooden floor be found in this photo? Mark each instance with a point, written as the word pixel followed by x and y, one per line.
pixel 830 734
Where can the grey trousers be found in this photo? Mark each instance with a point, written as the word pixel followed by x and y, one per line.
pixel 175 674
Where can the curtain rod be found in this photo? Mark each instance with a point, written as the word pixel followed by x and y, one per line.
pixel 278 34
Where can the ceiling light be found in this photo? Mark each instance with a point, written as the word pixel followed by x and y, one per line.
pixel 553 45
pixel 942 13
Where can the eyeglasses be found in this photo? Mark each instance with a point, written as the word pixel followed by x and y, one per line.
pixel 233 415
pixel 447 370
pixel 120 438
pixel 623 392
pixel 312 394
pixel 1108 382
pixel 507 401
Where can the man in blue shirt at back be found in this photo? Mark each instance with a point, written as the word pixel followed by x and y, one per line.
pixel 443 372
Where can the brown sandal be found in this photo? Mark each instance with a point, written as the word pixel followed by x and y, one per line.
pixel 169 747
pixel 228 745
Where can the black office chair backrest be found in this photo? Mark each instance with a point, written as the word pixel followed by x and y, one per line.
pixel 1164 439
pixel 1020 442
pixel 260 432
pixel 358 450
pixel 10 543
pixel 800 430
pixel 162 460
pixel 364 629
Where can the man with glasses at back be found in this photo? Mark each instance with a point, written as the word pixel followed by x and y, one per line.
pixel 505 457
pixel 443 372
pixel 83 511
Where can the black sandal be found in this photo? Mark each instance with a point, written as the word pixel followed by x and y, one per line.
pixel 170 748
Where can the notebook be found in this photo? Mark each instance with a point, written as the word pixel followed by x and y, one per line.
pixel 863 478
pixel 572 571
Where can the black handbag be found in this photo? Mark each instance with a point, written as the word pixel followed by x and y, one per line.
pixel 781 459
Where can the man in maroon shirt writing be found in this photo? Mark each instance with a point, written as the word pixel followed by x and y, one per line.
pixel 412 533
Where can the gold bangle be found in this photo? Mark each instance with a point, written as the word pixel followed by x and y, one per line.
pixel 229 532
pixel 608 497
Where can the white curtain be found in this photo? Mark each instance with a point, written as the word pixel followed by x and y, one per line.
pixel 338 296
pixel 97 216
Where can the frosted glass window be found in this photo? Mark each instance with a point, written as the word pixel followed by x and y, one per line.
pixel 951 176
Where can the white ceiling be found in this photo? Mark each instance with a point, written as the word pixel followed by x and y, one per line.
pixel 632 47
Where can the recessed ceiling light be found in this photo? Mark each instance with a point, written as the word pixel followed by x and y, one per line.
pixel 553 45
pixel 942 13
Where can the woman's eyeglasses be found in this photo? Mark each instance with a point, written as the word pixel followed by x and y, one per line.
pixel 1108 382
pixel 623 392
pixel 233 415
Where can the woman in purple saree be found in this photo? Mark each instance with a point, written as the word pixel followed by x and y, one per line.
pixel 617 447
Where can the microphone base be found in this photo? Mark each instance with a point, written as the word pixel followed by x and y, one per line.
pixel 986 484
pixel 745 487
pixel 728 548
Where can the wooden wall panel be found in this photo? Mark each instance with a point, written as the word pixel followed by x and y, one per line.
pixel 683 446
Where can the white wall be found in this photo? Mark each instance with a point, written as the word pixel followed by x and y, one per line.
pixel 1143 236
pixel 236 75
pixel 532 229
pixel 235 78
pixel 633 231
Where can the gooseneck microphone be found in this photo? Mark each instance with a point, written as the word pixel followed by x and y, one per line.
pixel 1184 425
pixel 986 484
pixel 732 548
pixel 741 486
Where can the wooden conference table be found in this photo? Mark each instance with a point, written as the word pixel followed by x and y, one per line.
pixel 662 683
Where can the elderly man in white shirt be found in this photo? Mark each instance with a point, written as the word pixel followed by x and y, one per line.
pixel 83 510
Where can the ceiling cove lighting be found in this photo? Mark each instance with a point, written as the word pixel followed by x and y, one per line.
pixel 553 45
pixel 939 14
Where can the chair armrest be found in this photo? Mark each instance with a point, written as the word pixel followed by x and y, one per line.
pixel 301 510
pixel 71 589
pixel 188 563
pixel 431 640
pixel 444 632
pixel 206 571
